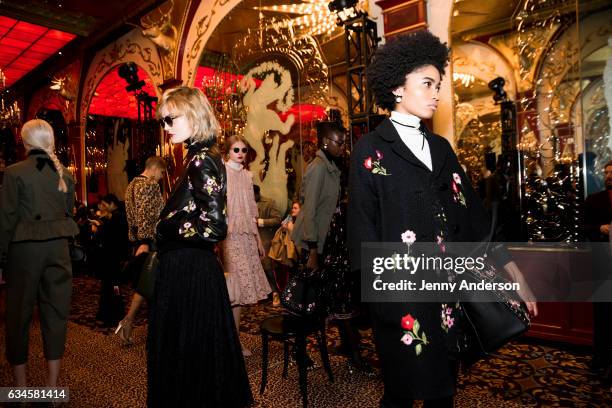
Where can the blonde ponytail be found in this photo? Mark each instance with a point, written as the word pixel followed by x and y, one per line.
pixel 38 134
pixel 60 171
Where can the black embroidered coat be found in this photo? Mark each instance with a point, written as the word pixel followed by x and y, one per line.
pixel 195 214
pixel 393 196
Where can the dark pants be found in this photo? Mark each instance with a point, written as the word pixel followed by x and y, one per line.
pixel 602 334
pixel 268 267
pixel 447 402
pixel 602 329
pixel 37 271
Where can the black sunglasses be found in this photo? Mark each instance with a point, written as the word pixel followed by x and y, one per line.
pixel 237 150
pixel 338 142
pixel 168 120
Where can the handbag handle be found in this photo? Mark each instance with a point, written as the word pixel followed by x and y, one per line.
pixel 494 211
pixel 486 242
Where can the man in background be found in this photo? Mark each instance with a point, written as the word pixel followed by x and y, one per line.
pixel 268 222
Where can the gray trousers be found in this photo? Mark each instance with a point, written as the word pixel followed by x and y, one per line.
pixel 268 267
pixel 37 272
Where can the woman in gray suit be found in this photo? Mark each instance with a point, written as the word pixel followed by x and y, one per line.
pixel 36 202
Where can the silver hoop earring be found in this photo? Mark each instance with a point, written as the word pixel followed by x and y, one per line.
pixel 398 98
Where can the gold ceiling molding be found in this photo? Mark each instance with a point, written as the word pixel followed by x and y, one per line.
pixel 524 62
pixel 208 15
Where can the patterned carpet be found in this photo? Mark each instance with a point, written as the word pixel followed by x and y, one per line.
pixel 102 374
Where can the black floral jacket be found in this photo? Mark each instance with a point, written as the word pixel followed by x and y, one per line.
pixel 195 214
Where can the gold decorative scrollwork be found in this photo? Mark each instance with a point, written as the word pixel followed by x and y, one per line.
pixel 117 54
pixel 202 27
pixel 119 51
pixel 273 38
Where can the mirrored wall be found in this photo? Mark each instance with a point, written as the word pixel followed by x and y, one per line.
pixel 268 71
pixel 531 114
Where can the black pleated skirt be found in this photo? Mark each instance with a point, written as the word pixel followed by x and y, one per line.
pixel 193 351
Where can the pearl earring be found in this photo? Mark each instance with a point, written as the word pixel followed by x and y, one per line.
pixel 325 145
pixel 398 98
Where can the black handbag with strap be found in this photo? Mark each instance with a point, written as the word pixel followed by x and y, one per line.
pixel 146 283
pixel 305 293
pixel 497 321
pixel 77 252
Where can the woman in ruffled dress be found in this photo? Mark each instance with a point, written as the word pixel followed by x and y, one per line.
pixel 242 249
pixel 193 350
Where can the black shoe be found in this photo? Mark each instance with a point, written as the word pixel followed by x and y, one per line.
pixel 596 366
pixel 361 366
pixel 338 350
pixel 310 365
pixel 606 375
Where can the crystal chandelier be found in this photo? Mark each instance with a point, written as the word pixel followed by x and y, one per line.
pixel 310 17
pixel 10 115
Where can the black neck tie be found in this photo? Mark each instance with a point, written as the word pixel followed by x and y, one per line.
pixel 41 161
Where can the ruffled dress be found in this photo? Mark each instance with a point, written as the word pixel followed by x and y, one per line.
pixel 240 252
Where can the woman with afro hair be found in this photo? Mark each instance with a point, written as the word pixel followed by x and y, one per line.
pixel 406 185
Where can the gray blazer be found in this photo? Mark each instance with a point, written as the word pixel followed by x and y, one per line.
pixel 319 198
pixel 31 207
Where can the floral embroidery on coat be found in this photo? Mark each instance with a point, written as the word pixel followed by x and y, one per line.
pixel 408 238
pixel 198 157
pixel 187 230
pixel 374 166
pixel 458 190
pixel 212 186
pixel 447 321
pixel 411 335
pixel 190 207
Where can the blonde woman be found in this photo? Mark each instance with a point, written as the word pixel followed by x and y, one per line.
pixel 194 355
pixel 36 202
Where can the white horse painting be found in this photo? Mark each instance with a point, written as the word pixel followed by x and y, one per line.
pixel 260 119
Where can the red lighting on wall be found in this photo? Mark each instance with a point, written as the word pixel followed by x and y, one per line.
pixel 206 76
pixel 111 98
pixel 23 46
pixel 304 112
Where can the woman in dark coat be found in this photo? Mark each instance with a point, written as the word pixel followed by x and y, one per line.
pixel 36 203
pixel 406 185
pixel 193 350
pixel 112 251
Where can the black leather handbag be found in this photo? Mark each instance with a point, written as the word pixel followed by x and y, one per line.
pixel 77 252
pixel 304 294
pixel 146 282
pixel 498 320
